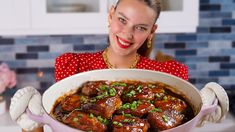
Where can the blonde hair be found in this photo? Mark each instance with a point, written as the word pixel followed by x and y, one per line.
pixel 144 50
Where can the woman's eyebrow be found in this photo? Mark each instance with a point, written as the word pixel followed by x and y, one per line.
pixel 120 13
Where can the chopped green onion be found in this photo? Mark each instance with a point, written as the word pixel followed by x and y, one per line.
pixel 131 93
pixel 106 94
pixel 157 95
pixel 120 124
pixel 90 115
pixel 127 115
pixel 134 105
pixel 75 119
pixel 152 101
pixel 99 96
pixel 149 101
pixel 139 102
pixel 103 87
pixel 79 115
pixel 112 92
pixel 165 98
pixel 83 99
pixel 126 120
pixel 129 120
pixel 151 85
pixel 92 100
pixel 119 84
pixel 165 118
pixel 156 110
pixel 103 95
pixel 139 88
pixel 78 109
pixel 162 91
pixel 115 122
pixel 102 120
pixel 125 106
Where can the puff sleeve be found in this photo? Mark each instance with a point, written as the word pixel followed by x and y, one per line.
pixel 69 64
pixel 175 68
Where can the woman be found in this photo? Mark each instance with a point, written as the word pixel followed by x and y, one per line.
pixel 131 31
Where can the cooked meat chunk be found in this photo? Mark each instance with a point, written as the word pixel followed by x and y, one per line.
pixel 72 102
pixel 145 94
pixel 123 106
pixel 136 108
pixel 121 123
pixel 139 92
pixel 84 121
pixel 165 120
pixel 92 88
pixel 170 102
pixel 104 107
pixel 119 86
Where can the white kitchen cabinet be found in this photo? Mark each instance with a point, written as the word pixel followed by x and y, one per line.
pixel 180 21
pixel 14 15
pixel 44 17
pixel 87 22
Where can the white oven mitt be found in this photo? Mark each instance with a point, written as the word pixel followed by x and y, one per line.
pixel 27 97
pixel 209 94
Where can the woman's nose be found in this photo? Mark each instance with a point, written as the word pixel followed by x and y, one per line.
pixel 129 33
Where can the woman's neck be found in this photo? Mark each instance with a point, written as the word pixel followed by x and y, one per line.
pixel 118 61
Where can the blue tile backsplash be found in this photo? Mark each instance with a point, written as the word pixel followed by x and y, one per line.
pixel 209 53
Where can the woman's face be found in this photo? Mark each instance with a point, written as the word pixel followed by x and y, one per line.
pixel 131 23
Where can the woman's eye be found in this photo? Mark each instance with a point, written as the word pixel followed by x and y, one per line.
pixel 123 21
pixel 139 28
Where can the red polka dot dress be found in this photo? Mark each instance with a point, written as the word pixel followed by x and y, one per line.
pixel 71 63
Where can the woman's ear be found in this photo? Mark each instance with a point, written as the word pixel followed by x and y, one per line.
pixel 111 12
pixel 154 28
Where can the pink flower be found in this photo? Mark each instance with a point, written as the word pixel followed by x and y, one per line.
pixel 7 78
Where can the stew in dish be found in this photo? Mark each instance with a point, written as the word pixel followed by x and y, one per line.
pixel 127 106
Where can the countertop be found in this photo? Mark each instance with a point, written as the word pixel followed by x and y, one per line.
pixel 228 125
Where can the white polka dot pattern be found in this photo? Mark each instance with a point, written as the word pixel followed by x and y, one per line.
pixel 71 63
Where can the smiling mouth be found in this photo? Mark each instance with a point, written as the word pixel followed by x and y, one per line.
pixel 123 43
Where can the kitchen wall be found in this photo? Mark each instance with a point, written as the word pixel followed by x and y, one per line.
pixel 209 53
